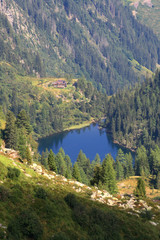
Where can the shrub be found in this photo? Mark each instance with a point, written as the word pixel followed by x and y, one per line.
pixel 2 234
pixel 147 215
pixel 60 236
pixel 26 224
pixel 3 171
pixel 41 193
pixel 4 193
pixel 70 200
pixel 13 173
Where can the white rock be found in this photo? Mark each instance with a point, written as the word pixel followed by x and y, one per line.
pixel 46 175
pixel 111 202
pixel 153 223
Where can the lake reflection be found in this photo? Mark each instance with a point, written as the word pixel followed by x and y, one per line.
pixel 90 140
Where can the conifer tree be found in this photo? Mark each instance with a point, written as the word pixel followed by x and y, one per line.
pixel 119 170
pixel 10 133
pixel 97 159
pixel 44 160
pixel 62 152
pixel 120 156
pixel 128 166
pixel 158 180
pixel 155 160
pixel 51 161
pixel 60 163
pixel 69 166
pixel 22 141
pixel 109 175
pixel 97 175
pixel 28 156
pixel 76 172
pixel 23 121
pixel 140 188
pixel 141 162
pixel 82 161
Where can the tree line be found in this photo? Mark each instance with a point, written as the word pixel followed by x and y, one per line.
pixel 104 174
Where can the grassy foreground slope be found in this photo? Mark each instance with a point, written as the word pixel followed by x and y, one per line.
pixel 38 206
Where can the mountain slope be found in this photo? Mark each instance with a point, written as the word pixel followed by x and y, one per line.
pixel 95 39
pixel 50 207
pixel 147 12
pixel 50 109
pixel 133 116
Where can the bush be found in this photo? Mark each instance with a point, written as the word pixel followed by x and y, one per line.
pixel 60 236
pixel 41 193
pixel 147 215
pixel 2 234
pixel 4 193
pixel 26 224
pixel 3 171
pixel 71 200
pixel 13 173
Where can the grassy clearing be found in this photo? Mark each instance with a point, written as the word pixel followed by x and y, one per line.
pixel 81 125
pixel 128 186
pixel 139 69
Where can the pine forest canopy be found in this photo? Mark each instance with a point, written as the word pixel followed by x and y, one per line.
pixel 96 39
pixel 133 117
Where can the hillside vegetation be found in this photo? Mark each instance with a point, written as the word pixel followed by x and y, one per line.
pixel 133 116
pixel 48 206
pixel 50 109
pixel 147 12
pixel 97 39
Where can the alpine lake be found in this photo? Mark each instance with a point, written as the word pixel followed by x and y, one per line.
pixel 91 140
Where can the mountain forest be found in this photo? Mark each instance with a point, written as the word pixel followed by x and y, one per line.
pixel 65 64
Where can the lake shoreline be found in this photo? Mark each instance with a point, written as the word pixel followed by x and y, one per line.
pixel 72 127
pixel 124 146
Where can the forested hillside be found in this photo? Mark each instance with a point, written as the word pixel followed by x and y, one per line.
pixel 134 116
pixel 49 112
pixel 13 51
pixel 97 39
pixel 147 12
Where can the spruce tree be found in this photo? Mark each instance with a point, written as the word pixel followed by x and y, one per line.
pixel 141 162
pixel 69 166
pixel 62 152
pixel 97 175
pixel 97 159
pixel 28 156
pixel 158 180
pixel 140 188
pixel 119 170
pixel 128 166
pixel 10 133
pixel 23 121
pixel 76 172
pixel 109 175
pixel 82 161
pixel 51 161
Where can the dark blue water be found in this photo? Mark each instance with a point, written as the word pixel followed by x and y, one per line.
pixel 90 140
